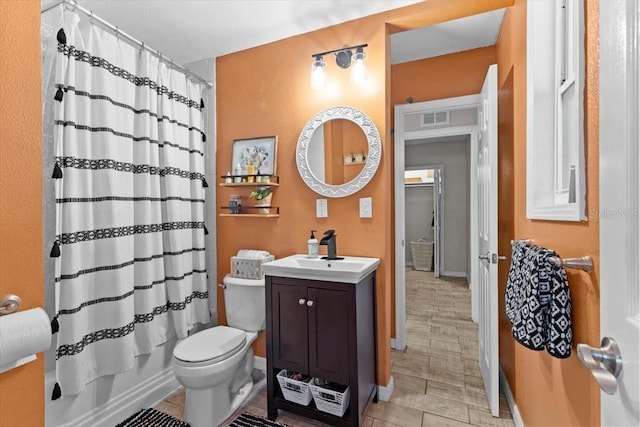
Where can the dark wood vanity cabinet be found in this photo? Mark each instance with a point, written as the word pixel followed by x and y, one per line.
pixel 325 330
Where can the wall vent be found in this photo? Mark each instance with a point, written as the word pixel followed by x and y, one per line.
pixel 435 118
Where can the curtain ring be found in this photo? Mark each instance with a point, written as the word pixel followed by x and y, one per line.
pixel 141 47
pixel 117 33
pixel 91 17
pixel 70 5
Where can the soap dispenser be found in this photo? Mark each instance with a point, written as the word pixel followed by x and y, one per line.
pixel 312 243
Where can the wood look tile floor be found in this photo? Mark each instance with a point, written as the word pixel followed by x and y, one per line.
pixel 437 378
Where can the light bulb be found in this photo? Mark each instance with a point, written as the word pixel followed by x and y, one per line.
pixel 358 68
pixel 318 75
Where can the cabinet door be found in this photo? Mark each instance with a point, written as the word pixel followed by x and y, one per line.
pixel 328 335
pixel 289 323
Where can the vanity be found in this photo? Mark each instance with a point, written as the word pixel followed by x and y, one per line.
pixel 321 323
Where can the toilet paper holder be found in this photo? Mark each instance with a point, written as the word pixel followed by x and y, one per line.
pixel 9 303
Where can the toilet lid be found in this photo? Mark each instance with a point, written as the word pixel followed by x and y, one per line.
pixel 210 345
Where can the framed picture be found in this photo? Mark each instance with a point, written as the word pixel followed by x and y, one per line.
pixel 254 156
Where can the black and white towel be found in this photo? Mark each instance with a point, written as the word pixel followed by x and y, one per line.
pixel 518 251
pixel 538 301
pixel 559 327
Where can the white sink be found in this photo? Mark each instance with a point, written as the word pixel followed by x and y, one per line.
pixel 350 269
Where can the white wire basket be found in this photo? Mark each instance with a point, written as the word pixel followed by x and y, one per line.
pixel 422 253
pixel 294 390
pixel 330 401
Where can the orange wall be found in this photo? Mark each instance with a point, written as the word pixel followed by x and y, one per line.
pixel 21 265
pixel 266 91
pixel 446 76
pixel 548 391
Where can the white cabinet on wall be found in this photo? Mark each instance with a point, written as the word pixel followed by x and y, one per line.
pixel 556 187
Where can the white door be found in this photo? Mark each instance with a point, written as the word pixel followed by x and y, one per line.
pixel 619 204
pixel 437 219
pixel 487 262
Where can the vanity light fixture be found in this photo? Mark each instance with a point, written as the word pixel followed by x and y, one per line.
pixel 345 58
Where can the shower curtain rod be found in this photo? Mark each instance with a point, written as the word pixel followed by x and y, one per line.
pixel 74 4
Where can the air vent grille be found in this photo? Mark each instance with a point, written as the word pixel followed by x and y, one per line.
pixel 435 118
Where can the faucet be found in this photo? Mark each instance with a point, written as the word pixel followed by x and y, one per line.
pixel 329 240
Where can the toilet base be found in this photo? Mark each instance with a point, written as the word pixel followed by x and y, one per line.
pixel 201 411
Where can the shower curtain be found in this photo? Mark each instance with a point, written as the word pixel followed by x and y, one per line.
pixel 129 175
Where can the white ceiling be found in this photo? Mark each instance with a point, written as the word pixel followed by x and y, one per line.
pixel 448 37
pixel 190 30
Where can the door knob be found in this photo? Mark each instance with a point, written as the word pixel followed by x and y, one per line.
pixel 309 303
pixel 605 363
pixel 485 257
pixel 492 258
pixel 301 301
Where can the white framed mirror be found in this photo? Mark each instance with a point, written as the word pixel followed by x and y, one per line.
pixel 338 151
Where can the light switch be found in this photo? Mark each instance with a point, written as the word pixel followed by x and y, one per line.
pixel 322 211
pixel 366 207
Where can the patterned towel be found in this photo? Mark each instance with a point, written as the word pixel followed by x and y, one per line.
pixel 559 327
pixel 514 280
pixel 538 301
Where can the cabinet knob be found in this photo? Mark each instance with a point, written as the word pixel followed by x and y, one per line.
pixel 309 303
pixel 301 301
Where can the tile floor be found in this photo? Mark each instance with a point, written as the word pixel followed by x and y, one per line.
pixel 437 378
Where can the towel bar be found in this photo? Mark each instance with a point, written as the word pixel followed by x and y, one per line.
pixel 584 263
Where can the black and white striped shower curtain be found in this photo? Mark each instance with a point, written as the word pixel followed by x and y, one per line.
pixel 129 176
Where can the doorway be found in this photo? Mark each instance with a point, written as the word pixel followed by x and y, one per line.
pixel 423 217
pixel 463 115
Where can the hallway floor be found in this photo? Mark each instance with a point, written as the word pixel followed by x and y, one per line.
pixel 437 378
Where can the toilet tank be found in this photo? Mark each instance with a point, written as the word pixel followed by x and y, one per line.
pixel 244 303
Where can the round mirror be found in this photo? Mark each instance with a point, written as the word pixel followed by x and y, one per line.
pixel 338 151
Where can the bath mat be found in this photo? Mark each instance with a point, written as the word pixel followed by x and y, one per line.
pixel 152 418
pixel 249 420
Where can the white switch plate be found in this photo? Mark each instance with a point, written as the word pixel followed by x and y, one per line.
pixel 366 205
pixel 322 211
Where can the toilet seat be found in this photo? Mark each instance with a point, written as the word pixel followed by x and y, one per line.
pixel 210 346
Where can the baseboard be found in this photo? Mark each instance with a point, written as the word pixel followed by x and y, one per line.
pixel 454 273
pixel 515 413
pixel 145 394
pixel 260 363
pixel 385 392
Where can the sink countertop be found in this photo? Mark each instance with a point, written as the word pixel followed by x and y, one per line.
pixel 350 269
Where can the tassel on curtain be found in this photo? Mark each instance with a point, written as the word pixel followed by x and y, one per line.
pixel 130 254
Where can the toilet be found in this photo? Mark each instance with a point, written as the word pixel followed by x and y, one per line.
pixel 214 365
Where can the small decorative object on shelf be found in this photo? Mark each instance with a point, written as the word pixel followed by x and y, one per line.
pixel 254 154
pixel 235 205
pixel 263 197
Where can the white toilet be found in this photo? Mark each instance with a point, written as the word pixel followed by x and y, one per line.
pixel 214 365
